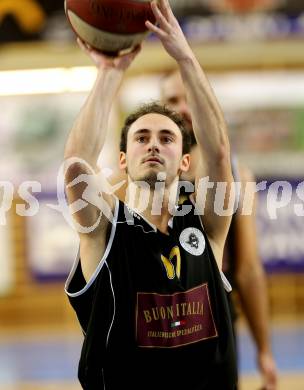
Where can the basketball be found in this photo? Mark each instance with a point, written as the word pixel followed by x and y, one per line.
pixel 110 25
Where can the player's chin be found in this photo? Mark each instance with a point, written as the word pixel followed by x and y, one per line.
pixel 154 168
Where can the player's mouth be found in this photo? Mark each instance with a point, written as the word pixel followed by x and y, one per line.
pixel 153 159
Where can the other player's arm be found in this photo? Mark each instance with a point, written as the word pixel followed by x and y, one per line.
pixel 85 142
pixel 251 286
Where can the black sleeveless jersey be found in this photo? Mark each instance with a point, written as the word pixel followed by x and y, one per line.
pixel 154 314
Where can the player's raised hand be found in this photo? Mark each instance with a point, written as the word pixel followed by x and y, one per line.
pixel 101 60
pixel 169 31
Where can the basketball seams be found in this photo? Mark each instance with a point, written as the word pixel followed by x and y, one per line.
pixel 103 40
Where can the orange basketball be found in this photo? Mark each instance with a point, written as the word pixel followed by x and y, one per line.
pixel 110 25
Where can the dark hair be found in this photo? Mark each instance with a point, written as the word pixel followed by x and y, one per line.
pixel 155 108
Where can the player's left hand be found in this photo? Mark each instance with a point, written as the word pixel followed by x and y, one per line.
pixel 120 62
pixel 268 370
pixel 169 31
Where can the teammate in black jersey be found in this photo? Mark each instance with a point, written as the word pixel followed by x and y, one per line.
pixel 147 285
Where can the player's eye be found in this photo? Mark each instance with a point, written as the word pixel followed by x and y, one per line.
pixel 167 140
pixel 141 139
pixel 172 100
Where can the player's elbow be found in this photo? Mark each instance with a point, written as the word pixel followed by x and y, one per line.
pixel 73 168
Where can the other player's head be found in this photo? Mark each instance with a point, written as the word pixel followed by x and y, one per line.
pixel 173 95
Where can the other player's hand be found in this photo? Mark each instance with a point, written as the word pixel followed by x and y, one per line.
pixel 268 371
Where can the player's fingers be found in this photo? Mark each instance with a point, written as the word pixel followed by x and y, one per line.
pixel 163 8
pixel 166 8
pixel 137 49
pixel 133 53
pixel 160 18
pixel 81 44
pixel 85 46
pixel 155 29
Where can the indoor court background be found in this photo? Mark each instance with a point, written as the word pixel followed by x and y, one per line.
pixel 255 60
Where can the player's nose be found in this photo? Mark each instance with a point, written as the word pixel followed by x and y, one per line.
pixel 183 108
pixel 153 147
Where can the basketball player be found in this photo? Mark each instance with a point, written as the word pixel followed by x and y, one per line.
pixel 147 286
pixel 242 264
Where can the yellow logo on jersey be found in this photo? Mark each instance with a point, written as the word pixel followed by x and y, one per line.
pixel 28 14
pixel 170 268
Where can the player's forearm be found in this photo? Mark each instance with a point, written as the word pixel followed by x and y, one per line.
pixel 88 134
pixel 254 299
pixel 208 120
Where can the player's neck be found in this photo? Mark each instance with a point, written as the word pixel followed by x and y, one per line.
pixel 156 206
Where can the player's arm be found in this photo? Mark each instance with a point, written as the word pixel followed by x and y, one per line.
pixel 251 285
pixel 84 144
pixel 208 121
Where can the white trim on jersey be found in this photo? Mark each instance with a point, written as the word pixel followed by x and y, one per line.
pixel 136 215
pixel 227 285
pixel 100 264
pixel 103 376
pixel 114 304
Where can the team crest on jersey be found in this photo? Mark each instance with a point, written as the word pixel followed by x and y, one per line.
pixel 193 241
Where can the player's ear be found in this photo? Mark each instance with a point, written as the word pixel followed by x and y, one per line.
pixel 122 161
pixel 185 162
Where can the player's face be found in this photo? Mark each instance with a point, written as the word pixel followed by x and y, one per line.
pixel 154 145
pixel 174 96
